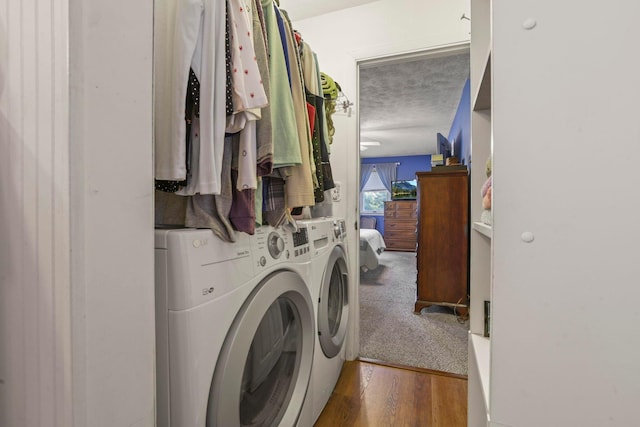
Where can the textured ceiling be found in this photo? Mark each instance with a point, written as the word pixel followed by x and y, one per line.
pixel 403 105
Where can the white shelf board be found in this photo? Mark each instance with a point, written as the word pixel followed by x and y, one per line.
pixel 483 228
pixel 482 354
pixel 482 99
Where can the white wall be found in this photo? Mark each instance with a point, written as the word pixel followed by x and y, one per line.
pixel 112 212
pixel 76 253
pixel 343 39
pixel 35 341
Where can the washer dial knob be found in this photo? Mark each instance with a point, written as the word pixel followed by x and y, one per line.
pixel 275 243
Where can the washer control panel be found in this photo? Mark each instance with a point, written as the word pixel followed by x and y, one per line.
pixel 301 242
pixel 275 244
pixel 272 246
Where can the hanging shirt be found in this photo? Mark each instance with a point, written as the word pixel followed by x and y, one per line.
pixel 299 186
pixel 190 34
pixel 249 94
pixel 212 211
pixel 286 150
pixel 307 58
pixel 264 133
pixel 248 91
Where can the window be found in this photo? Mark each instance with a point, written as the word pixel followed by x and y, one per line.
pixel 373 195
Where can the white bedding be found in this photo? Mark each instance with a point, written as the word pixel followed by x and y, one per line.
pixel 371 245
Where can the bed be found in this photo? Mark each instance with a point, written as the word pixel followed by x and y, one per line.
pixel 371 244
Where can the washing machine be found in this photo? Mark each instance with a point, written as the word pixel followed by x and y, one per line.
pixel 234 329
pixel 330 292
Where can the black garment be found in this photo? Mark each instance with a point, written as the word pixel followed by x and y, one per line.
pixel 227 47
pixel 320 152
pixel 191 110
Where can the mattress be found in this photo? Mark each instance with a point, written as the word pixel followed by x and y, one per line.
pixel 371 246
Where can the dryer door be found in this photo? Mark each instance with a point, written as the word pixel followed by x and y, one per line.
pixel 333 306
pixel 263 370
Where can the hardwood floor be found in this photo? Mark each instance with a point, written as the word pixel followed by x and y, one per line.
pixel 372 395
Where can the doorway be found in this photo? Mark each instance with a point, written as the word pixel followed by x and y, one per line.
pixel 404 102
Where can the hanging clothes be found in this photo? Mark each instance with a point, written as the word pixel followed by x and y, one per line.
pixel 242 214
pixel 274 209
pixel 327 174
pixel 299 186
pixel 248 92
pixel 286 150
pixel 212 210
pixel 236 67
pixel 192 110
pixel 190 34
pixel 264 134
pixel 315 97
pixel 227 60
pixel 330 90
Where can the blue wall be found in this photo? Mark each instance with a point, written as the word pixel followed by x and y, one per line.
pixel 407 169
pixel 461 127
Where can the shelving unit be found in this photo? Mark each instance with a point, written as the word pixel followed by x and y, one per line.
pixel 481 236
pixel 559 351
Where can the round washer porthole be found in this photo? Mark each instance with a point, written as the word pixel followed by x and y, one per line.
pixel 264 367
pixel 333 310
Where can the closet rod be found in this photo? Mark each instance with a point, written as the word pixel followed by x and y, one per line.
pixel 396 163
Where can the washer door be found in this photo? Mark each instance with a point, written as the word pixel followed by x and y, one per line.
pixel 263 370
pixel 333 306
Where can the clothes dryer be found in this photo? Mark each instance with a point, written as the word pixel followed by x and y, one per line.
pixel 330 293
pixel 234 330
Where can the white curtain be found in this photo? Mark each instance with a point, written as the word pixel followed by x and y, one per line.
pixel 386 173
pixel 365 173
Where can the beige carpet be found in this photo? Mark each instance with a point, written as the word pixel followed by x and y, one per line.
pixel 390 331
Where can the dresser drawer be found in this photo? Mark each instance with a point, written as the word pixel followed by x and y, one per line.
pixel 405 214
pixel 406 225
pixel 400 234
pixel 401 213
pixel 400 245
pixel 406 206
pixel 395 206
pixel 400 223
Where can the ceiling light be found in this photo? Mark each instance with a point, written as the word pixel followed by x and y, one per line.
pixel 362 148
pixel 369 143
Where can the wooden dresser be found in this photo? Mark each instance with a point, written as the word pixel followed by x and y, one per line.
pixel 443 238
pixel 400 221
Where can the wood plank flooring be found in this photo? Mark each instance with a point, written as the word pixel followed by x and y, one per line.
pixel 373 395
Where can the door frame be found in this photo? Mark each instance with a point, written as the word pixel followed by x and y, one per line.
pixel 353 344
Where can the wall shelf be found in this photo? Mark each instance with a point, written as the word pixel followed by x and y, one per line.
pixel 483 229
pixel 482 100
pixel 482 358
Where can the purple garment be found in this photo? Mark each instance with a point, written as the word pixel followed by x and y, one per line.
pixel 243 213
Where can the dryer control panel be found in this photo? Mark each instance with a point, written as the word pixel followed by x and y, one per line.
pixel 301 243
pixel 340 229
pixel 271 246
